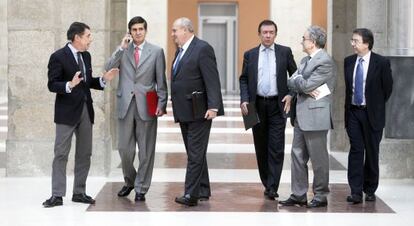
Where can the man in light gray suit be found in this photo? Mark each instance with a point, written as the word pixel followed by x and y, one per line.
pixel 312 120
pixel 142 70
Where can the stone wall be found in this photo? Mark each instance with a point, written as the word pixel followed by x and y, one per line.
pixel 3 51
pixel 35 30
pixel 396 155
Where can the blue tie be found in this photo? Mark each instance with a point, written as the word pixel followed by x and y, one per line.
pixel 359 83
pixel 177 61
pixel 265 85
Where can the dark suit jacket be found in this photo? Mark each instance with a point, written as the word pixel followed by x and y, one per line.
pixel 248 78
pixel 378 88
pixel 61 69
pixel 197 71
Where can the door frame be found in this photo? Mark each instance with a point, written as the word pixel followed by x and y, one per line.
pixel 231 43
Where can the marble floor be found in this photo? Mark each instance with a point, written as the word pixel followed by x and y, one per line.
pixel 237 195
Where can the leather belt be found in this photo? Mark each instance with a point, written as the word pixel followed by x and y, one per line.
pixel 359 107
pixel 267 98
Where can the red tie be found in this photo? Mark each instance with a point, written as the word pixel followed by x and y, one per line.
pixel 136 55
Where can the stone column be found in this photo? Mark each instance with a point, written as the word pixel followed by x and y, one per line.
pixel 155 13
pixel 396 155
pixel 292 18
pixel 393 38
pixel 4 51
pixel 35 30
pixel 341 22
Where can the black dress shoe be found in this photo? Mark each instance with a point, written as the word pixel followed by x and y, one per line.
pixel 354 199
pixel 370 197
pixel 187 200
pixel 53 201
pixel 316 203
pixel 83 198
pixel 139 197
pixel 203 198
pixel 292 202
pixel 271 194
pixel 125 191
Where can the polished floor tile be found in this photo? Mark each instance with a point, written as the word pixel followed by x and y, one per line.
pixel 227 197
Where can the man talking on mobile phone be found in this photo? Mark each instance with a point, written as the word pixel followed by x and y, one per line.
pixel 142 72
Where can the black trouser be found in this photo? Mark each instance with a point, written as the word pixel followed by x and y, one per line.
pixel 269 141
pixel 195 136
pixel 363 169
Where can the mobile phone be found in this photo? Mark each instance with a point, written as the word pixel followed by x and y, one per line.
pixel 129 37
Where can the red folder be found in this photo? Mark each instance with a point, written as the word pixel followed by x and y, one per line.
pixel 152 102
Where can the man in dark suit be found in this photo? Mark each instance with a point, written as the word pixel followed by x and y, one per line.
pixel 194 74
pixel 368 82
pixel 263 82
pixel 70 77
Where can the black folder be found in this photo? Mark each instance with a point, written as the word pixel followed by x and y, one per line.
pixel 251 119
pixel 199 100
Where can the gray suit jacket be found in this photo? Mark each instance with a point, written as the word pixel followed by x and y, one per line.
pixel 149 75
pixel 311 114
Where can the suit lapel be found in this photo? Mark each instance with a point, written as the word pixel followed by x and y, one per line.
pixel 279 57
pixel 371 69
pixel 70 56
pixel 130 54
pixel 255 60
pixel 146 52
pixel 349 71
pixel 186 55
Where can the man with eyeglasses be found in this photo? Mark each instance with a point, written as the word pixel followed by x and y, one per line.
pixel 312 120
pixel 368 82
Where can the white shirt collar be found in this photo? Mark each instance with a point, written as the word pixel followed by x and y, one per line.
pixel 366 57
pixel 140 46
pixel 262 47
pixel 314 53
pixel 187 43
pixel 73 49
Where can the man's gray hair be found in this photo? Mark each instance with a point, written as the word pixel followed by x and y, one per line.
pixel 186 23
pixel 318 35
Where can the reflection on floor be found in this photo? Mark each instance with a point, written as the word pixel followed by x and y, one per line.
pixel 226 161
pixel 226 197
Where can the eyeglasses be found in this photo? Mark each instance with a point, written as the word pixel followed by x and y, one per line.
pixel 304 39
pixel 355 41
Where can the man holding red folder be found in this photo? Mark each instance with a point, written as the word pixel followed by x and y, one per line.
pixel 141 97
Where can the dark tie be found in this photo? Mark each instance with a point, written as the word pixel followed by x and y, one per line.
pixel 177 61
pixel 359 83
pixel 81 66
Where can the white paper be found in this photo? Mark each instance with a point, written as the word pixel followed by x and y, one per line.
pixel 323 91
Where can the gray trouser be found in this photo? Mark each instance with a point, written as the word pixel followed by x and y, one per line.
pixel 133 130
pixel 83 133
pixel 313 145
